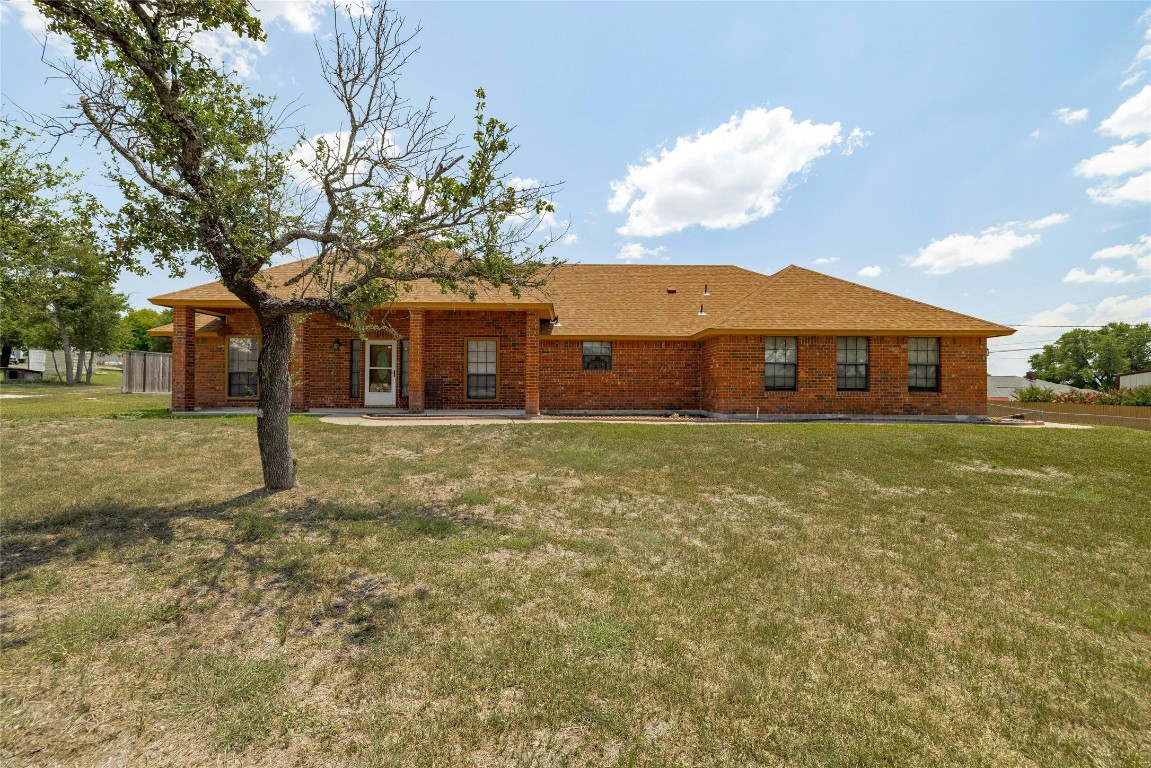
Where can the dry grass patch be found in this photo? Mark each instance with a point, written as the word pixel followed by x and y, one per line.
pixel 580 594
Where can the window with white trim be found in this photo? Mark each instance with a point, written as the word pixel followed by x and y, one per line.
pixel 483 369
pixel 851 363
pixel 243 357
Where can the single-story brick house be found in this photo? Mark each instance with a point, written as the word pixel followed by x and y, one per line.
pixel 600 337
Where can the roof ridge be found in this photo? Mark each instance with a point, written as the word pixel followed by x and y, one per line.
pixel 767 280
pixel 887 293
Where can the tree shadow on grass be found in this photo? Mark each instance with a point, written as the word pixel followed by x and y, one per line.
pixel 258 558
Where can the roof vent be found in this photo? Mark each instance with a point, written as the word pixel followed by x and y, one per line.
pixel 556 322
pixel 671 290
pixel 701 312
pixel 705 291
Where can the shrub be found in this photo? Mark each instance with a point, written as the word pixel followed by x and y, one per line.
pixel 1034 394
pixel 1125 396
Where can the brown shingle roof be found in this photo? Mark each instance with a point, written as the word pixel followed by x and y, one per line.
pixel 803 301
pixel 633 300
pixel 205 326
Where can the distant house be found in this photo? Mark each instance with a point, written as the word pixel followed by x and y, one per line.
pixel 713 339
pixel 1135 379
pixel 1003 387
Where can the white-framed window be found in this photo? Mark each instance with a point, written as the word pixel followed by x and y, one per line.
pixel 597 355
pixel 851 363
pixel 243 357
pixel 923 364
pixel 483 369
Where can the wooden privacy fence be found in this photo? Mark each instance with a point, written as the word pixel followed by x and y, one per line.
pixel 147 372
pixel 1134 416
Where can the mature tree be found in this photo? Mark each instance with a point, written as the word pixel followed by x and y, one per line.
pixel 56 270
pixel 395 197
pixel 138 322
pixel 1094 359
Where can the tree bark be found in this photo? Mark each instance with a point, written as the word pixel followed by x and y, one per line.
pixel 275 402
pixel 91 367
pixel 5 355
pixel 65 344
pixel 78 374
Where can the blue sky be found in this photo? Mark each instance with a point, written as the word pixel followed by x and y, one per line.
pixel 991 158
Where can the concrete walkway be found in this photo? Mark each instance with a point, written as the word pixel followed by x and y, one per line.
pixel 469 421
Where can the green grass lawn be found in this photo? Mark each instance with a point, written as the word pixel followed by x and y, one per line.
pixel 571 594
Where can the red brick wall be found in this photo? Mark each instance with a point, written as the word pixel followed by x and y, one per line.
pixel 721 374
pixel 644 375
pixel 328 371
pixel 733 378
pixel 445 357
pixel 183 359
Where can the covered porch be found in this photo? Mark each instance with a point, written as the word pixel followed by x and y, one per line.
pixel 414 360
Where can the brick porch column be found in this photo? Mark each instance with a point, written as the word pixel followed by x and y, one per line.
pixel 416 323
pixel 532 365
pixel 297 368
pixel 183 358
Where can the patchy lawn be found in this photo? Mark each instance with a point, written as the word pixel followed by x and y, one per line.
pixel 573 594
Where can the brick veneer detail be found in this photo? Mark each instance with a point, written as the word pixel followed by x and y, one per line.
pixel 723 374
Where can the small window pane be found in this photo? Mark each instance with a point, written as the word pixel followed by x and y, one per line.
pixel 597 355
pixel 243 358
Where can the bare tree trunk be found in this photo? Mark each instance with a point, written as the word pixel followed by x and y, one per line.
pixel 65 344
pixel 5 355
pixel 275 403
pixel 91 367
pixel 78 375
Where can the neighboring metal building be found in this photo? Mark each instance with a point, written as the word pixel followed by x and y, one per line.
pixel 1137 379
pixel 1003 387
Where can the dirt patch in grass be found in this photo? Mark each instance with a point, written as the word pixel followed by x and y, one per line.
pixel 579 594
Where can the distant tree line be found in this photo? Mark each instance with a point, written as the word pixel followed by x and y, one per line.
pixel 1094 358
pixel 58 269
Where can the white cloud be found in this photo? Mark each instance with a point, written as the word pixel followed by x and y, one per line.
pixel 1049 220
pixel 991 246
pixel 571 238
pixel 1100 275
pixel 854 140
pixel 721 179
pixel 870 271
pixel 300 15
pixel 1136 189
pixel 826 260
pixel 230 51
pixel 1035 134
pixel 1132 118
pixel 636 251
pixel 35 24
pixel 1140 250
pixel 1119 160
pixel 1125 309
pixel 1132 79
pixel 1069 116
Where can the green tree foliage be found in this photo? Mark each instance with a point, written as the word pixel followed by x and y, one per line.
pixel 56 270
pixel 136 325
pixel 1094 358
pixel 209 176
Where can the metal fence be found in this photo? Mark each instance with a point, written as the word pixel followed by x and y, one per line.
pixel 147 372
pixel 1133 416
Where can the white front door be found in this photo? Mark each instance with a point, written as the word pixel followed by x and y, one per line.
pixel 380 387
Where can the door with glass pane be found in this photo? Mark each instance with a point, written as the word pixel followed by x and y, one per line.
pixel 380 388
